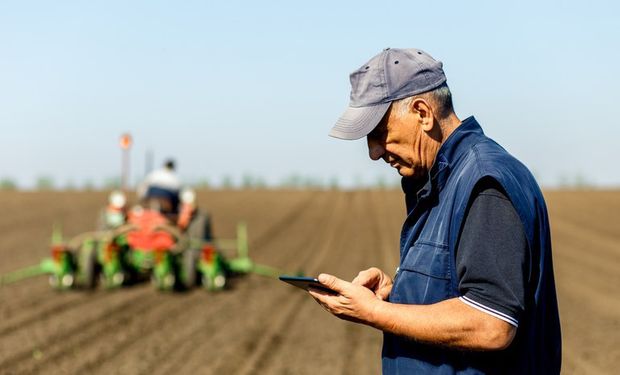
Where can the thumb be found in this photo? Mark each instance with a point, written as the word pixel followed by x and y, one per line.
pixel 332 282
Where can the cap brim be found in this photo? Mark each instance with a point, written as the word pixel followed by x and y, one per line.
pixel 357 122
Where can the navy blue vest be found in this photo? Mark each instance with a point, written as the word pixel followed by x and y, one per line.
pixel 427 271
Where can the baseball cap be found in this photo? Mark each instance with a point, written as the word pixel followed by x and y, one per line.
pixel 391 75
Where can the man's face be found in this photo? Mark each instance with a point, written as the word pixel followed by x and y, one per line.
pixel 397 140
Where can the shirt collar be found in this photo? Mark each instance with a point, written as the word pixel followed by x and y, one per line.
pixel 457 144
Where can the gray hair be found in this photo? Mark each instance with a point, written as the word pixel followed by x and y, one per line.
pixel 440 98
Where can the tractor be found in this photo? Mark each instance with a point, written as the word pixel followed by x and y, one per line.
pixel 175 251
pixel 145 242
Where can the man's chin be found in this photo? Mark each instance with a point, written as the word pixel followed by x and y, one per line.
pixel 412 174
pixel 405 172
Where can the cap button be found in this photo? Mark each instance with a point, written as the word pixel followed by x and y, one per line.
pixel 387 49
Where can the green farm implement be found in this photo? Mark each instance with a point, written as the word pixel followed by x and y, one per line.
pixel 144 244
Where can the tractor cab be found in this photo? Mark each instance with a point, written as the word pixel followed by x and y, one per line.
pixel 164 201
pixel 179 208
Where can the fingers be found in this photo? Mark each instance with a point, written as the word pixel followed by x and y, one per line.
pixel 363 278
pixel 332 282
pixel 368 278
pixel 355 303
pixel 319 295
pixel 325 299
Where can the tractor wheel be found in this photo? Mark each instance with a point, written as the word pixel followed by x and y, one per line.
pixel 200 227
pixel 89 270
pixel 189 271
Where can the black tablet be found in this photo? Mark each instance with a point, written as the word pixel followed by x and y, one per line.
pixel 305 283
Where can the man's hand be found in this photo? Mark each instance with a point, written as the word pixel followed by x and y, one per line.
pixel 376 280
pixel 449 323
pixel 353 302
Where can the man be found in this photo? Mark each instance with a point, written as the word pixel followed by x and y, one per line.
pixel 162 186
pixel 474 292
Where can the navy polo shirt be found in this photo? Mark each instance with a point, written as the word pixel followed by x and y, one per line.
pixel 492 255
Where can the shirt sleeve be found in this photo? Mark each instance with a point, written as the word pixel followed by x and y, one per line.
pixel 492 253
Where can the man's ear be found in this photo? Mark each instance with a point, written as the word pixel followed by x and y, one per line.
pixel 425 114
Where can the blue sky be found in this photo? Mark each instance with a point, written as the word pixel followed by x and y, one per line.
pixel 235 88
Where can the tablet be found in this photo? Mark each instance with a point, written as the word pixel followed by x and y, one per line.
pixel 305 283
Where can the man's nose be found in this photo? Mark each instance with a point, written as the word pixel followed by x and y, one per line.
pixel 375 149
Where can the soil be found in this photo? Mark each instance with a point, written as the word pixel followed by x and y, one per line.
pixel 260 325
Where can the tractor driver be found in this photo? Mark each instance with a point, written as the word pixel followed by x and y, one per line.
pixel 160 189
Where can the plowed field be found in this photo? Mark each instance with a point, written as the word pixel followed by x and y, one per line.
pixel 261 326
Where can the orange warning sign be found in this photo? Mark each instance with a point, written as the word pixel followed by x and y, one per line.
pixel 125 141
